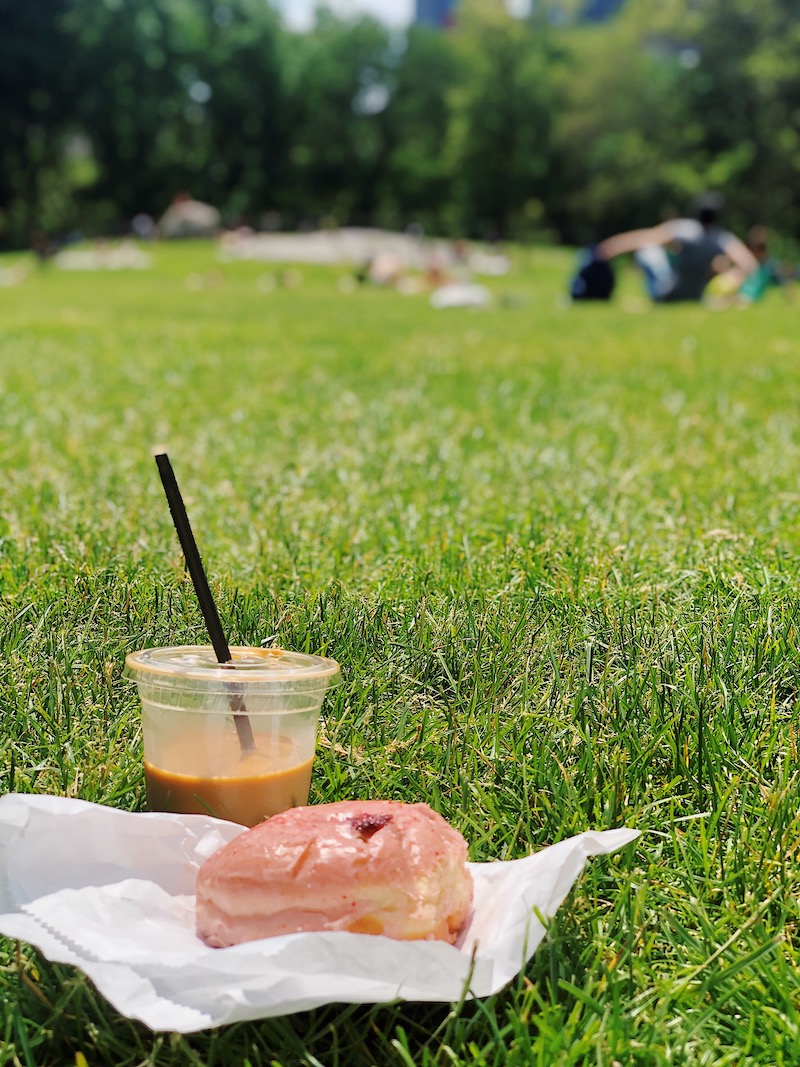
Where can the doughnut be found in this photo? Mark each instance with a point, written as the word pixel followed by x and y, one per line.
pixel 370 867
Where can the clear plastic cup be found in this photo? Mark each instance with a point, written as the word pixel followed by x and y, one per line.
pixel 198 716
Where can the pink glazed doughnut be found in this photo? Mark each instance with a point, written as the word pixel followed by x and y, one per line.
pixel 371 867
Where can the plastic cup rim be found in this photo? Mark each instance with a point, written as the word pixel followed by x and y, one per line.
pixel 321 670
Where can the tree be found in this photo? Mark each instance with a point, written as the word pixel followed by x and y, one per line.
pixel 666 102
pixel 179 95
pixel 503 126
pixel 503 121
pixel 746 89
pixel 340 81
pixel 34 114
pixel 420 172
pixel 623 133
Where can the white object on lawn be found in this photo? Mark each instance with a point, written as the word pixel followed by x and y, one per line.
pixel 112 892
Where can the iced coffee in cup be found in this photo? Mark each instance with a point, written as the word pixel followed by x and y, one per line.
pixel 232 740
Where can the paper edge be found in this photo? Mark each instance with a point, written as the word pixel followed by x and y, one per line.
pixel 581 847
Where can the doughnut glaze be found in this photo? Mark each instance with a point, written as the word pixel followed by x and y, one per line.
pixel 372 867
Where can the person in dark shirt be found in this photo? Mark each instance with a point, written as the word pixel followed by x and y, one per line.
pixel 677 257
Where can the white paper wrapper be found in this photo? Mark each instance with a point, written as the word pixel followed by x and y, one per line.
pixel 112 892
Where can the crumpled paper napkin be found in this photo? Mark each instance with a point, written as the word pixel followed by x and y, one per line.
pixel 112 892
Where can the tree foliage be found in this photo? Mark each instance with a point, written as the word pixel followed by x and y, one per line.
pixel 502 126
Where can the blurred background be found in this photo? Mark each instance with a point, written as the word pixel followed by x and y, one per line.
pixel 527 121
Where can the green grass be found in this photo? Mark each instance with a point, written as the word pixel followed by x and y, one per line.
pixel 555 551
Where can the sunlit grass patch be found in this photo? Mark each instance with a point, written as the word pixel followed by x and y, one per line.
pixel 554 550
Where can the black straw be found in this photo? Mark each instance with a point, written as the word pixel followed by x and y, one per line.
pixel 197 573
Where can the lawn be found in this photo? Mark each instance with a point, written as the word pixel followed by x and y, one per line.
pixel 555 551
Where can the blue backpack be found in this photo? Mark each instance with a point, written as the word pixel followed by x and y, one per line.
pixel 594 278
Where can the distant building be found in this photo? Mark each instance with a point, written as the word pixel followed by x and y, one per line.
pixel 442 13
pixel 587 11
pixel 437 13
pixel 599 10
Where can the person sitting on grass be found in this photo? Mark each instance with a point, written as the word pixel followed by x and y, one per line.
pixel 677 257
pixel 731 287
